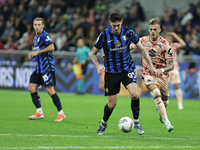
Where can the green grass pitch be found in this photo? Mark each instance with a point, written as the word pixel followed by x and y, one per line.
pixel 84 112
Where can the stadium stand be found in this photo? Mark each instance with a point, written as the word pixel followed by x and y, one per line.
pixel 69 20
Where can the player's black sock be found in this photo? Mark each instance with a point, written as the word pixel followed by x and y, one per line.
pixel 36 99
pixel 135 106
pixel 107 113
pixel 56 101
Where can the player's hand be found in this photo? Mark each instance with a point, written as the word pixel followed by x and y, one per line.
pixel 132 46
pixel 154 71
pixel 100 69
pixel 32 54
pixel 102 57
pixel 160 72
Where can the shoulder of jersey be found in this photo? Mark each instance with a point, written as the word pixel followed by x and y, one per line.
pixel 163 40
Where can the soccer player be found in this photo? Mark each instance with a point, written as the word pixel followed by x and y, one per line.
pixel 82 58
pixel 44 73
pixel 162 58
pixel 119 67
pixel 174 75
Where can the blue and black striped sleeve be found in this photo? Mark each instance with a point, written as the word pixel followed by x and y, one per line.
pixel 48 40
pixel 134 37
pixel 100 41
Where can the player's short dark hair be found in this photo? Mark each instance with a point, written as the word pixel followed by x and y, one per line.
pixel 154 21
pixel 115 17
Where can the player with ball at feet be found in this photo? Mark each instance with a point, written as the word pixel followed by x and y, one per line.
pixel 162 58
pixel 119 67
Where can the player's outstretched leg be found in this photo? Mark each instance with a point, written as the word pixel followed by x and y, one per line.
pixel 135 107
pixel 36 101
pixel 103 124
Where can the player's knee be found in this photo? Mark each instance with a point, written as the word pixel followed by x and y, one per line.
pixel 31 89
pixel 50 90
pixel 112 105
pixel 134 95
pixel 156 92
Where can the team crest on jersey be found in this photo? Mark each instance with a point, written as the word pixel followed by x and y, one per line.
pixel 35 44
pixel 160 46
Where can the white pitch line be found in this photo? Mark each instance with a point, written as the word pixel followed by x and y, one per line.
pixel 86 136
pixel 104 147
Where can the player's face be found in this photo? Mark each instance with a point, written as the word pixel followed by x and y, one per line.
pixel 154 31
pixel 38 26
pixel 169 38
pixel 116 27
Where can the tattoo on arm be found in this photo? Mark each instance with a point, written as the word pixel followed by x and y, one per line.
pixel 93 56
pixel 170 65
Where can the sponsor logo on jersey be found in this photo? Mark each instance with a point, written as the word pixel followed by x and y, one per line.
pixel 147 45
pixel 120 49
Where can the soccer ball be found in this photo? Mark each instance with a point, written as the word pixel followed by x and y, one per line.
pixel 126 124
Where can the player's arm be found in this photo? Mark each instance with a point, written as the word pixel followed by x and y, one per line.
pixel 170 62
pixel 49 48
pixel 93 57
pixel 145 54
pixel 170 66
pixel 181 42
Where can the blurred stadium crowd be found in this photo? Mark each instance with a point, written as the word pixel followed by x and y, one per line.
pixel 69 20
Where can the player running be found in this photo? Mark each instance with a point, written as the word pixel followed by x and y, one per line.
pixel 162 58
pixel 44 73
pixel 119 67
pixel 174 75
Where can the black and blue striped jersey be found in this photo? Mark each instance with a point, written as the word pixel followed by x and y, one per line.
pixel 116 49
pixel 44 62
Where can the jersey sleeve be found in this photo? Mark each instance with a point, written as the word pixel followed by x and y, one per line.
pixel 169 52
pixel 48 40
pixel 134 37
pixel 100 41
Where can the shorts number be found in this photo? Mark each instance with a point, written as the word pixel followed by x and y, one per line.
pixel 131 75
pixel 45 77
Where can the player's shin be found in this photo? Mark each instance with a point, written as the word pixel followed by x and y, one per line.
pixel 135 107
pixel 159 104
pixel 56 102
pixel 107 113
pixel 36 102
